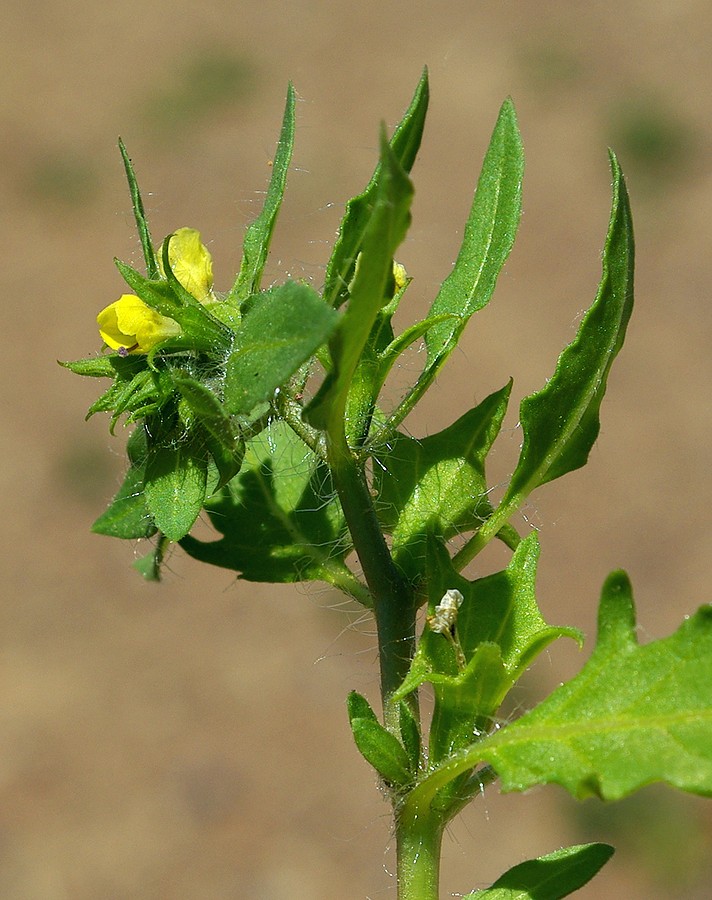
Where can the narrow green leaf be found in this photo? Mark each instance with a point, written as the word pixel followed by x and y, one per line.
pixel 378 746
pixel 259 233
pixel 560 423
pixel 175 486
pixel 141 222
pixel 282 328
pixel 489 236
pixel 633 716
pixel 405 144
pixel 550 877
pixel 94 366
pixel 384 231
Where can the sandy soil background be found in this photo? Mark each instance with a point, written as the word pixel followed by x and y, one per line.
pixel 189 740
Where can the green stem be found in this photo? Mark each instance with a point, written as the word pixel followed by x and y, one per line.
pixel 418 848
pixel 393 601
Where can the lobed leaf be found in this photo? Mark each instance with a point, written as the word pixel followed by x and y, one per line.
pixel 633 716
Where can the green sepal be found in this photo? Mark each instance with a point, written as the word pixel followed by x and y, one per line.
pixel 137 395
pixel 549 877
pixel 280 330
pixel 405 144
pixel 378 746
pixel 259 233
pixel 94 366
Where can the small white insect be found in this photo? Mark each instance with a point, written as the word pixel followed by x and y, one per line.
pixel 443 619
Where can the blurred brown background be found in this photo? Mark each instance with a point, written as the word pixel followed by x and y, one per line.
pixel 189 740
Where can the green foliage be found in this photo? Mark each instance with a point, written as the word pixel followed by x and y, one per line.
pixel 550 877
pixel 263 408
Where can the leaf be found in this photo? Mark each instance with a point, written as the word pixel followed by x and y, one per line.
pixel 405 144
pixel 437 483
pixel 94 366
pixel 280 331
pixel 378 746
pixel 633 716
pixel 175 485
pixel 128 516
pixel 280 519
pixel 141 223
pixel 201 330
pixel 560 422
pixel 489 236
pixel 500 632
pixel 550 877
pixel 259 233
pixel 383 233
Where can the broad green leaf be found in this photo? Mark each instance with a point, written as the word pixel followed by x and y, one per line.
pixel 384 231
pixel 633 716
pixel 175 486
pixel 560 422
pixel 280 330
pixel 550 877
pixel 437 483
pixel 405 144
pixel 128 516
pixel 378 746
pixel 259 233
pixel 279 518
pixel 141 223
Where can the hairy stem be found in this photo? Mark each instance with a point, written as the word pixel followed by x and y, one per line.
pixel 393 602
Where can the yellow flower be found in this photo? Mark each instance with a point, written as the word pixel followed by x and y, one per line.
pixel 129 326
pixel 191 263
